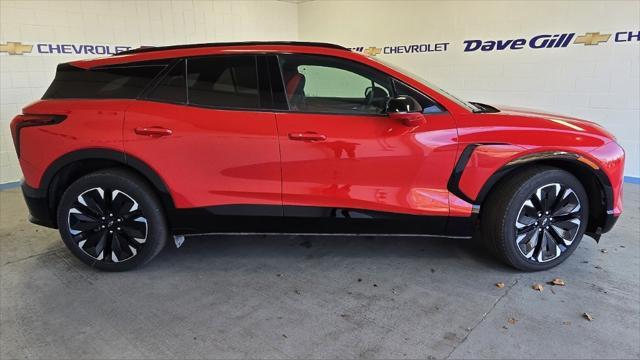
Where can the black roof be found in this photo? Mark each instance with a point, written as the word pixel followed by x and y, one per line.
pixel 241 43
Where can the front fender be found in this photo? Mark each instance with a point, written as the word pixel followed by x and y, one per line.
pixel 481 166
pixel 476 164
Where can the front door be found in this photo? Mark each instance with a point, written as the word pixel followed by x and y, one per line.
pixel 342 156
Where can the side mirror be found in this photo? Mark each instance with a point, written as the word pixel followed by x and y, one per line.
pixel 406 110
pixel 403 104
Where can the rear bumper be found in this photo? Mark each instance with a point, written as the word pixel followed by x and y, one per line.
pixel 39 210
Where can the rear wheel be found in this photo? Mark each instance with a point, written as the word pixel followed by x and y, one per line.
pixel 536 219
pixel 112 220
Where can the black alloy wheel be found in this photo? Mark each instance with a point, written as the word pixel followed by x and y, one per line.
pixel 112 220
pixel 535 218
pixel 548 222
pixel 107 224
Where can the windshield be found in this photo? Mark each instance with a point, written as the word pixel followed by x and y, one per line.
pixel 439 90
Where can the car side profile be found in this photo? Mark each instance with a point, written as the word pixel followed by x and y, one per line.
pixel 125 152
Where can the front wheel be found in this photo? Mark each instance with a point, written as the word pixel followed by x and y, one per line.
pixel 112 220
pixel 536 219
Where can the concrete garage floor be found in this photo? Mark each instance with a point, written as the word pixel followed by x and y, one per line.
pixel 316 297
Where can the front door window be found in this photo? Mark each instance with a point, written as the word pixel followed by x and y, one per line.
pixel 321 84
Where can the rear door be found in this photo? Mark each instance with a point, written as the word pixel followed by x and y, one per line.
pixel 204 131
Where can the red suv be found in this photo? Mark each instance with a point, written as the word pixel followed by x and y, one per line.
pixel 124 152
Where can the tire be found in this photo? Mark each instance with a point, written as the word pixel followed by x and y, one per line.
pixel 114 234
pixel 516 227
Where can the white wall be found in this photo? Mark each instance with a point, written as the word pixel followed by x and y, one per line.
pixel 599 83
pixel 24 78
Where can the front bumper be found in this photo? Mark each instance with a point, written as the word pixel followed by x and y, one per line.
pixel 609 221
pixel 40 212
pixel 610 166
pixel 607 224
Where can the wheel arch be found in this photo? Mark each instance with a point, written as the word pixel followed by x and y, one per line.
pixel 71 166
pixel 592 178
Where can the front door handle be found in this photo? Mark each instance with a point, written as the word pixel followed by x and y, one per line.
pixel 153 131
pixel 307 136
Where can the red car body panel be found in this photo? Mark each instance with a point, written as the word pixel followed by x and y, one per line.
pixel 368 162
pixel 213 157
pixel 484 162
pixel 523 133
pixel 89 124
pixel 217 157
pixel 610 158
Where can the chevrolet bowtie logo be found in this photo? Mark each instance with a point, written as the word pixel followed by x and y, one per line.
pixel 592 38
pixel 15 48
pixel 372 51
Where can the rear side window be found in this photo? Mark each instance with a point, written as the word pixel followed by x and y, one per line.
pixel 223 81
pixel 172 88
pixel 115 82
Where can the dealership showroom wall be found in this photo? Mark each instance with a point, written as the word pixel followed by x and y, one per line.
pixel 292 296
pixel 117 23
pixel 598 83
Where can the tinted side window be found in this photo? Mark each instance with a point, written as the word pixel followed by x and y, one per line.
pixel 223 81
pixel 428 106
pixel 115 82
pixel 332 85
pixel 173 87
pixel 324 81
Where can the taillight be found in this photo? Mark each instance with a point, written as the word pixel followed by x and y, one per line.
pixel 26 120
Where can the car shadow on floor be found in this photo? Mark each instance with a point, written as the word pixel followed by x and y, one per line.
pixel 295 248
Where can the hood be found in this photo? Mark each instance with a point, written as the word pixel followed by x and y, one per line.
pixel 556 121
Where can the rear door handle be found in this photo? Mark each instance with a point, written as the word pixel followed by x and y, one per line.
pixel 307 136
pixel 153 131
